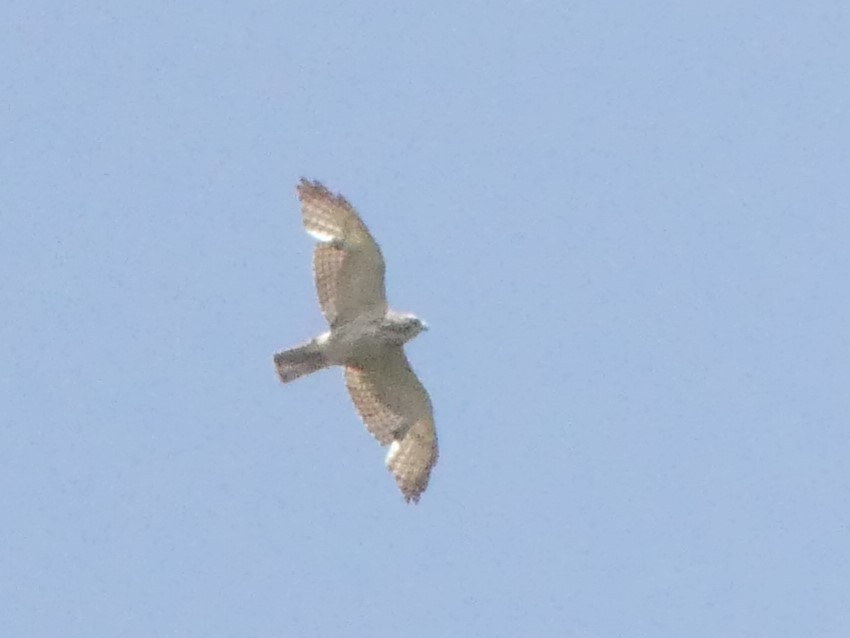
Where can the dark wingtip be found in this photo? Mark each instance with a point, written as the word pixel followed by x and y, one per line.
pixel 308 185
pixel 308 188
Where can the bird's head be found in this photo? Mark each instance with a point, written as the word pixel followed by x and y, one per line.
pixel 402 327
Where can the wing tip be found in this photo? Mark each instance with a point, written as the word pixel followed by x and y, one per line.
pixel 305 185
pixel 412 492
pixel 314 189
pixel 411 481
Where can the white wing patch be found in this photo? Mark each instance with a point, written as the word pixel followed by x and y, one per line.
pixel 394 447
pixel 322 235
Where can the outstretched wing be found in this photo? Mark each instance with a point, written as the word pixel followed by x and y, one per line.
pixel 397 411
pixel 347 263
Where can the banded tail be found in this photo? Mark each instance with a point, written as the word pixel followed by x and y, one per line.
pixel 297 362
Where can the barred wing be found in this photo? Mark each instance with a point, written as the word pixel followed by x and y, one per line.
pixel 347 263
pixel 397 411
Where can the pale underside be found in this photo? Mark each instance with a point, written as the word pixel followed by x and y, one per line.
pixel 349 272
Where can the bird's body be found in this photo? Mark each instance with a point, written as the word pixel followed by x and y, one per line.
pixel 365 337
pixel 360 339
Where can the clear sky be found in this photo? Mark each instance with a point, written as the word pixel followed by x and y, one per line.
pixel 627 227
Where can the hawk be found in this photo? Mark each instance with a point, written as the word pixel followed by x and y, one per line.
pixel 365 338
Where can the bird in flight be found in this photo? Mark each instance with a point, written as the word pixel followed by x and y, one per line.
pixel 366 338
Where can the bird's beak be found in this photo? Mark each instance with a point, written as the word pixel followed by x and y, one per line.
pixel 424 325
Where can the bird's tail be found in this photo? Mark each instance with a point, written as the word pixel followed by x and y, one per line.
pixel 299 361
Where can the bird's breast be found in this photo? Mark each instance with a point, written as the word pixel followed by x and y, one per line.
pixel 357 340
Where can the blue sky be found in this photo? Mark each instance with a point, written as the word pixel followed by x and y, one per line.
pixel 627 227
